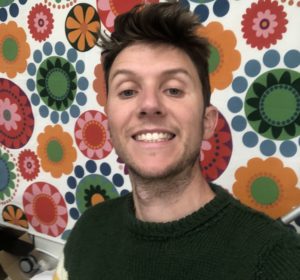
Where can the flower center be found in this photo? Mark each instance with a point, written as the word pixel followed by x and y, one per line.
pixel 97 198
pixel 10 49
pixel 83 27
pixel 55 151
pixel 264 24
pixel 29 165
pixel 7 115
pixel 94 135
pixel 41 203
pixel 264 190
pixel 41 22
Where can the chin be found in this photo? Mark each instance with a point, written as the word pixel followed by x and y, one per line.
pixel 155 172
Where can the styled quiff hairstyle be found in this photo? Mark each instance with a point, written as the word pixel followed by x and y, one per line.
pixel 160 23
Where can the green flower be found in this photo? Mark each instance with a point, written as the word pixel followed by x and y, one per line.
pixel 7 177
pixel 93 189
pixel 57 83
pixel 95 195
pixel 272 104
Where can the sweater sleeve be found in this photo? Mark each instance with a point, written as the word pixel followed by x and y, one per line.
pixel 282 260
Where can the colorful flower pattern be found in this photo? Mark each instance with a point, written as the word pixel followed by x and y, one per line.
pixel 56 151
pixel 45 208
pixel 16 116
pixel 40 22
pixel 268 186
pixel 109 9
pixel 264 23
pixel 224 58
pixel 14 215
pixel 8 178
pixel 53 127
pixel 92 135
pixel 216 152
pixel 266 104
pixel 14 49
pixel 82 25
pixel 56 80
pixel 29 165
pixel 88 188
pixel 273 104
pixel 99 85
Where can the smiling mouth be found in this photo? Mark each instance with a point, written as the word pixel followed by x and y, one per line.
pixel 154 137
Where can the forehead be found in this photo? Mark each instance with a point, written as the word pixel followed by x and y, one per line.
pixel 142 58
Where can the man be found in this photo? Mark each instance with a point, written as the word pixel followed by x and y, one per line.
pixel 174 225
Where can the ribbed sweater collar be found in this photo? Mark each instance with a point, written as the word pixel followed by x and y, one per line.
pixel 204 216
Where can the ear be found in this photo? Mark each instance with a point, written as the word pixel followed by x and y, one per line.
pixel 210 121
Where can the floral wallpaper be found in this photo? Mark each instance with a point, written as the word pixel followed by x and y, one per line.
pixel 56 156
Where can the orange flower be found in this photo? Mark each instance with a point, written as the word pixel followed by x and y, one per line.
pixel 267 186
pixel 56 151
pixel 99 85
pixel 82 25
pixel 224 58
pixel 15 216
pixel 14 49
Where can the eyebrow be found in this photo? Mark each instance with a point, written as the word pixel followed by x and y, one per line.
pixel 168 72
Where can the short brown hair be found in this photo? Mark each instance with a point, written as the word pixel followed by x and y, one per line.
pixel 160 23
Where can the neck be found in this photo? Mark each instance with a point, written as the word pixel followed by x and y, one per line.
pixel 169 199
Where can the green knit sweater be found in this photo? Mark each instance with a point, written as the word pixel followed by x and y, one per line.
pixel 223 240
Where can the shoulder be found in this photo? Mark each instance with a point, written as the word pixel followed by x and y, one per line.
pixel 275 245
pixel 250 224
pixel 281 259
pixel 105 216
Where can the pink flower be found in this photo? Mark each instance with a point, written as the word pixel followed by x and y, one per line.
pixel 8 115
pixel 41 22
pixel 264 24
pixel 45 208
pixel 28 164
pixel 92 136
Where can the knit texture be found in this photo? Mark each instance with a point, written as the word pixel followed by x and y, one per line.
pixel 222 240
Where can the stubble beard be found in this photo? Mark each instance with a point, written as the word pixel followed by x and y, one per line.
pixel 168 182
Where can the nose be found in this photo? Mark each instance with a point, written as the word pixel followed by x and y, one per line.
pixel 151 104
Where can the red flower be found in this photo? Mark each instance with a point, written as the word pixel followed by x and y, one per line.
pixel 28 164
pixel 264 23
pixel 216 151
pixel 40 22
pixel 16 134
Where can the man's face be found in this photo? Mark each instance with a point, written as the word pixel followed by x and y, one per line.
pixel 155 110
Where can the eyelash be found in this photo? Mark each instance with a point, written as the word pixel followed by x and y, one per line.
pixel 173 91
pixel 123 94
pixel 170 91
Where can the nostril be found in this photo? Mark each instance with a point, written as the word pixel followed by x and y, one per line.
pixel 149 113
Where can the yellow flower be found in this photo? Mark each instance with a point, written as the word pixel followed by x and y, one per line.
pixel 224 58
pixel 14 50
pixel 15 216
pixel 56 151
pixel 82 25
pixel 267 186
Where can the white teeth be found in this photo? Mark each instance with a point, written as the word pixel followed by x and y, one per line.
pixel 153 137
